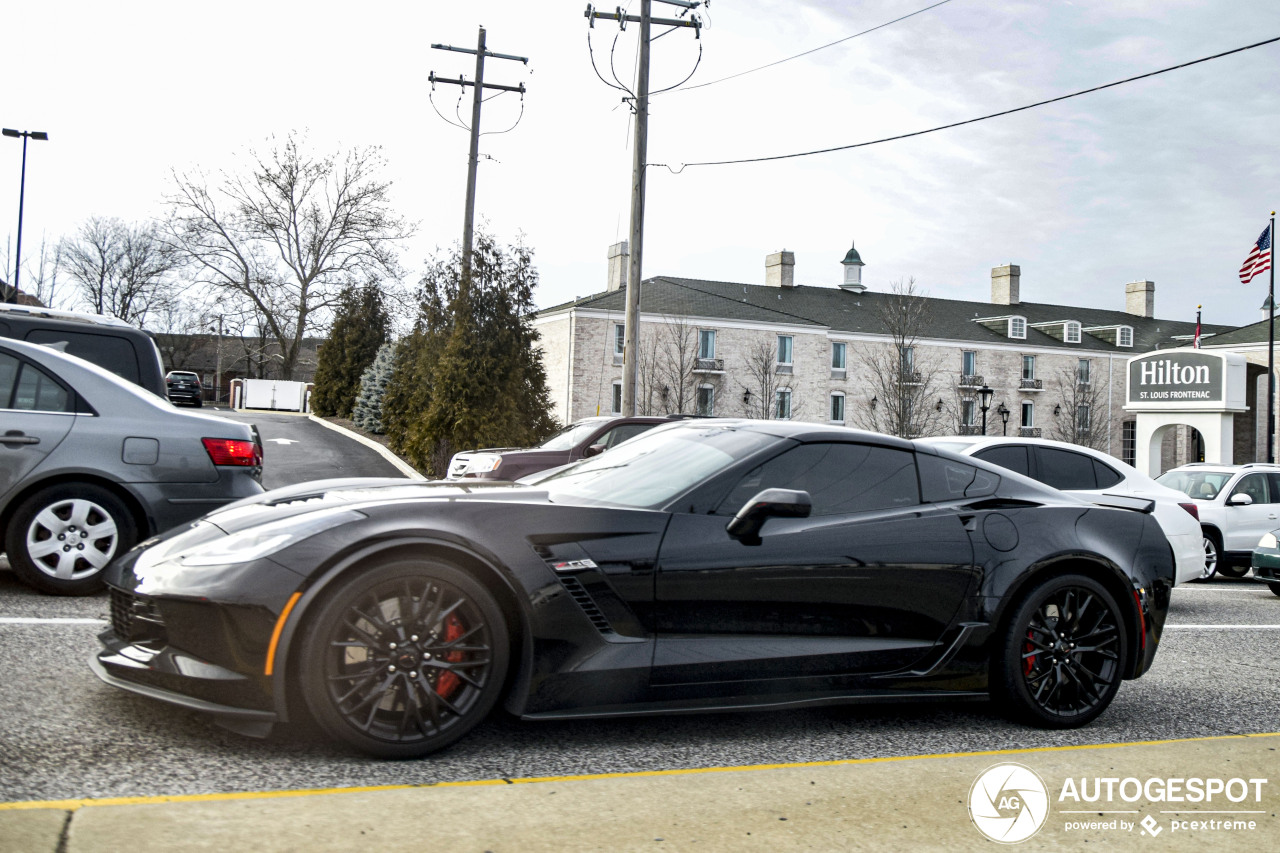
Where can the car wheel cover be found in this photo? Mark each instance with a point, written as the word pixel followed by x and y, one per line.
pixel 72 539
pixel 1071 654
pixel 408 660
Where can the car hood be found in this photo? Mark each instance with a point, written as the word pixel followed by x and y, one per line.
pixel 355 492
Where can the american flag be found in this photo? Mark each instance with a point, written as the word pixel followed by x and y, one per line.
pixel 1259 259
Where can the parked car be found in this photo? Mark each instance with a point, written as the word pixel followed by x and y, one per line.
pixel 1092 475
pixel 184 386
pixel 572 443
pixel 1238 504
pixel 125 350
pixel 90 464
pixel 1266 561
pixel 704 565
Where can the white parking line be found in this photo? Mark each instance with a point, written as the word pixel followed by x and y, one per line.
pixel 1222 627
pixel 33 620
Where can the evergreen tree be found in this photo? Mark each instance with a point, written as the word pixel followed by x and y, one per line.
pixel 469 376
pixel 367 412
pixel 360 327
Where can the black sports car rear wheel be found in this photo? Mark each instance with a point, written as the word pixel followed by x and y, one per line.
pixel 1060 664
pixel 404 659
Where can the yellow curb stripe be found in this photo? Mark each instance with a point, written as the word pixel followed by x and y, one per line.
pixel 637 774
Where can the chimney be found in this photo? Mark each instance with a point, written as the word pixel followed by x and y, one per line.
pixel 1004 284
pixel 780 269
pixel 619 263
pixel 1140 298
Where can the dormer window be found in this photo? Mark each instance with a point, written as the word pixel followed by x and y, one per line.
pixel 1125 337
pixel 1072 333
pixel 1018 327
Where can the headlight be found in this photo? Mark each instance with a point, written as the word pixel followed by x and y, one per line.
pixel 1268 540
pixel 482 463
pixel 265 540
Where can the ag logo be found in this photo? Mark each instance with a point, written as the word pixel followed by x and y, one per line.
pixel 1008 803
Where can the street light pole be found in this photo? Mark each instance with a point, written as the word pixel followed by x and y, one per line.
pixel 984 402
pixel 22 192
pixel 1003 411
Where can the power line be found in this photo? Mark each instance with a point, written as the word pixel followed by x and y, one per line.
pixel 813 50
pixel 972 120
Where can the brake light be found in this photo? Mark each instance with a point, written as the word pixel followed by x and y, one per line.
pixel 1193 509
pixel 233 451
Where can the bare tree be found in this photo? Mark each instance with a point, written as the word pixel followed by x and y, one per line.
pixel 120 269
pixel 763 382
pixel 288 235
pixel 185 334
pixel 906 386
pixel 1083 416
pixel 668 369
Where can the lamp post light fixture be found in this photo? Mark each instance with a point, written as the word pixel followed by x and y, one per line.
pixel 41 136
pixel 984 403
pixel 1003 412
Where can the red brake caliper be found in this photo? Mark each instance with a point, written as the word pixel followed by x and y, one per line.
pixel 1030 663
pixel 449 682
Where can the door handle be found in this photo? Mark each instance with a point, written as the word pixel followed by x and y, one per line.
pixel 16 437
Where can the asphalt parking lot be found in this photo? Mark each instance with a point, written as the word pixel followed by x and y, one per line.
pixel 85 767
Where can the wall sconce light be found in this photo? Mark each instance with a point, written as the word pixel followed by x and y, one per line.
pixel 746 397
pixel 665 392
pixel 1057 410
pixel 873 402
pixel 938 408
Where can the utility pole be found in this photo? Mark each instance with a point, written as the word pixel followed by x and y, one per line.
pixel 469 215
pixel 631 329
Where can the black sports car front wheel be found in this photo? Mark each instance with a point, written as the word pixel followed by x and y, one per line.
pixel 1061 661
pixel 404 659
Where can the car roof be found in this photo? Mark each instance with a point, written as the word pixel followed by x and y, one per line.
pixel 1225 467
pixel 44 315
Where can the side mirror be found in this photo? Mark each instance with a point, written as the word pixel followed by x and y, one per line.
pixel 770 503
pixel 1240 499
pixel 593 450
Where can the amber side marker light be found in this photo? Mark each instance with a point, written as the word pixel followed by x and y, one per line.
pixel 275 635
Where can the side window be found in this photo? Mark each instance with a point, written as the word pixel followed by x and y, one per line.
pixel 107 351
pixel 1063 469
pixel 36 391
pixel 839 477
pixel 949 480
pixel 1106 475
pixel 1273 480
pixel 8 378
pixel 619 434
pixel 1014 457
pixel 1253 485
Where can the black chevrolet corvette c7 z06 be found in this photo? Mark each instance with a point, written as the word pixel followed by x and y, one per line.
pixel 705 565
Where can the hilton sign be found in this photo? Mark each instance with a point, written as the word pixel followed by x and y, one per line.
pixel 1176 377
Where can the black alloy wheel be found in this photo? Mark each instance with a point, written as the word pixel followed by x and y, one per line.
pixel 61 538
pixel 404 659
pixel 1060 663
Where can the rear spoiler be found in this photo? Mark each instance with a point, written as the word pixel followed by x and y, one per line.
pixel 1143 505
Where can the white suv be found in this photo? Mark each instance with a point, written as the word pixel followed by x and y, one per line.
pixel 1238 504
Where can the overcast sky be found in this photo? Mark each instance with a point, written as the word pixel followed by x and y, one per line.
pixel 1169 179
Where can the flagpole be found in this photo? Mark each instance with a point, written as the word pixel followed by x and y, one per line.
pixel 1271 351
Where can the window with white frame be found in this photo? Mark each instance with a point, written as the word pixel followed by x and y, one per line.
pixel 619 338
pixel 706 343
pixel 706 400
pixel 1125 337
pixel 1028 414
pixel 968 412
pixel 1018 327
pixel 1072 333
pixel 784 350
pixel 1029 367
pixel 782 404
pixel 1082 420
pixel 837 407
pixel 616 404
pixel 908 359
pixel 1082 371
pixel 837 356
pixel 968 363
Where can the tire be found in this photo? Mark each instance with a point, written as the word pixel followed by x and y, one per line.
pixel 1040 675
pixel 93 526
pixel 1212 555
pixel 369 680
pixel 1232 570
pixel 198 402
pixel 1274 587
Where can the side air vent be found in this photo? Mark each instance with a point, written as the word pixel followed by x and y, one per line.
pixel 579 594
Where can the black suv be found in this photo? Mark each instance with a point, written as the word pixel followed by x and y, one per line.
pixel 184 387
pixel 584 438
pixel 125 350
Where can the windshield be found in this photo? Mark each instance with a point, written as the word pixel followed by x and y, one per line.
pixel 569 437
pixel 651 469
pixel 1203 485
